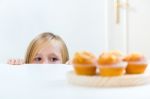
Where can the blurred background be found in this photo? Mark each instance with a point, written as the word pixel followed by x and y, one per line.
pixel 93 25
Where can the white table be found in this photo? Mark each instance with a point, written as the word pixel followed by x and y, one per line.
pixel 49 82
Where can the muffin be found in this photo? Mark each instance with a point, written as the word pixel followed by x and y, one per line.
pixel 111 65
pixel 84 63
pixel 136 63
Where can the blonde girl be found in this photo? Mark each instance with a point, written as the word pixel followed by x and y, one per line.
pixel 46 48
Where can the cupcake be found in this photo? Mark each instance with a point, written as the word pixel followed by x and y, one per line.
pixel 136 63
pixel 84 63
pixel 111 65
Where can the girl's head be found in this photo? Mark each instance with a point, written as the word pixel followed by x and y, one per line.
pixel 47 48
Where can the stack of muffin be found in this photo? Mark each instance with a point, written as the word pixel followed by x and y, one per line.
pixel 111 63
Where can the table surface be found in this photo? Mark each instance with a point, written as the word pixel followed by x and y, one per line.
pixel 49 82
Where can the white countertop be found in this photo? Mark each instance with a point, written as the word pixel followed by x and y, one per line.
pixel 49 82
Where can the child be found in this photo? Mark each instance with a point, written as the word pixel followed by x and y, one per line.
pixel 46 48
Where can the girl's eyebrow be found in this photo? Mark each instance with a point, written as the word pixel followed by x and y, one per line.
pixel 38 54
pixel 53 54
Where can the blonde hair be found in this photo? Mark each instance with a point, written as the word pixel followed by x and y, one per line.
pixel 42 40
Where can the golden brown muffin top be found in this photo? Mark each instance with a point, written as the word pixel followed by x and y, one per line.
pixel 83 57
pixel 134 57
pixel 108 58
pixel 117 53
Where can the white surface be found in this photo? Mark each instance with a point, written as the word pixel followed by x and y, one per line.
pixel 81 23
pixel 39 82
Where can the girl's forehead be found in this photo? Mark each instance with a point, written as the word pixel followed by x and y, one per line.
pixel 50 48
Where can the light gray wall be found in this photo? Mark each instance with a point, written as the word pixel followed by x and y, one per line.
pixel 81 23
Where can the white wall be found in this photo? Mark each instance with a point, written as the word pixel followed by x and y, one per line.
pixel 117 32
pixel 81 23
pixel 139 27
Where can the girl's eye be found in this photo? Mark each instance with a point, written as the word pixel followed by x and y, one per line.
pixel 53 59
pixel 37 59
